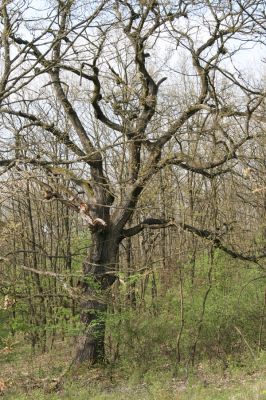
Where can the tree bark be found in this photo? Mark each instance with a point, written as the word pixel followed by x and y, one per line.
pixel 99 273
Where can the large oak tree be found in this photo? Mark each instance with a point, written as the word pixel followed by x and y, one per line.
pixel 109 81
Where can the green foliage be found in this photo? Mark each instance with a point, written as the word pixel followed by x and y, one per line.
pixel 4 328
pixel 222 319
pixel 43 308
pixel 79 247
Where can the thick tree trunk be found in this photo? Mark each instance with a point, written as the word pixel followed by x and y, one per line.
pixel 99 272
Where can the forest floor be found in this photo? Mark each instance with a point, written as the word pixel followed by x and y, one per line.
pixel 27 376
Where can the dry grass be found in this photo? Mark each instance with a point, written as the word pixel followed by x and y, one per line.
pixel 24 375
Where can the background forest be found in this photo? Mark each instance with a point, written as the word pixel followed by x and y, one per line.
pixel 133 186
